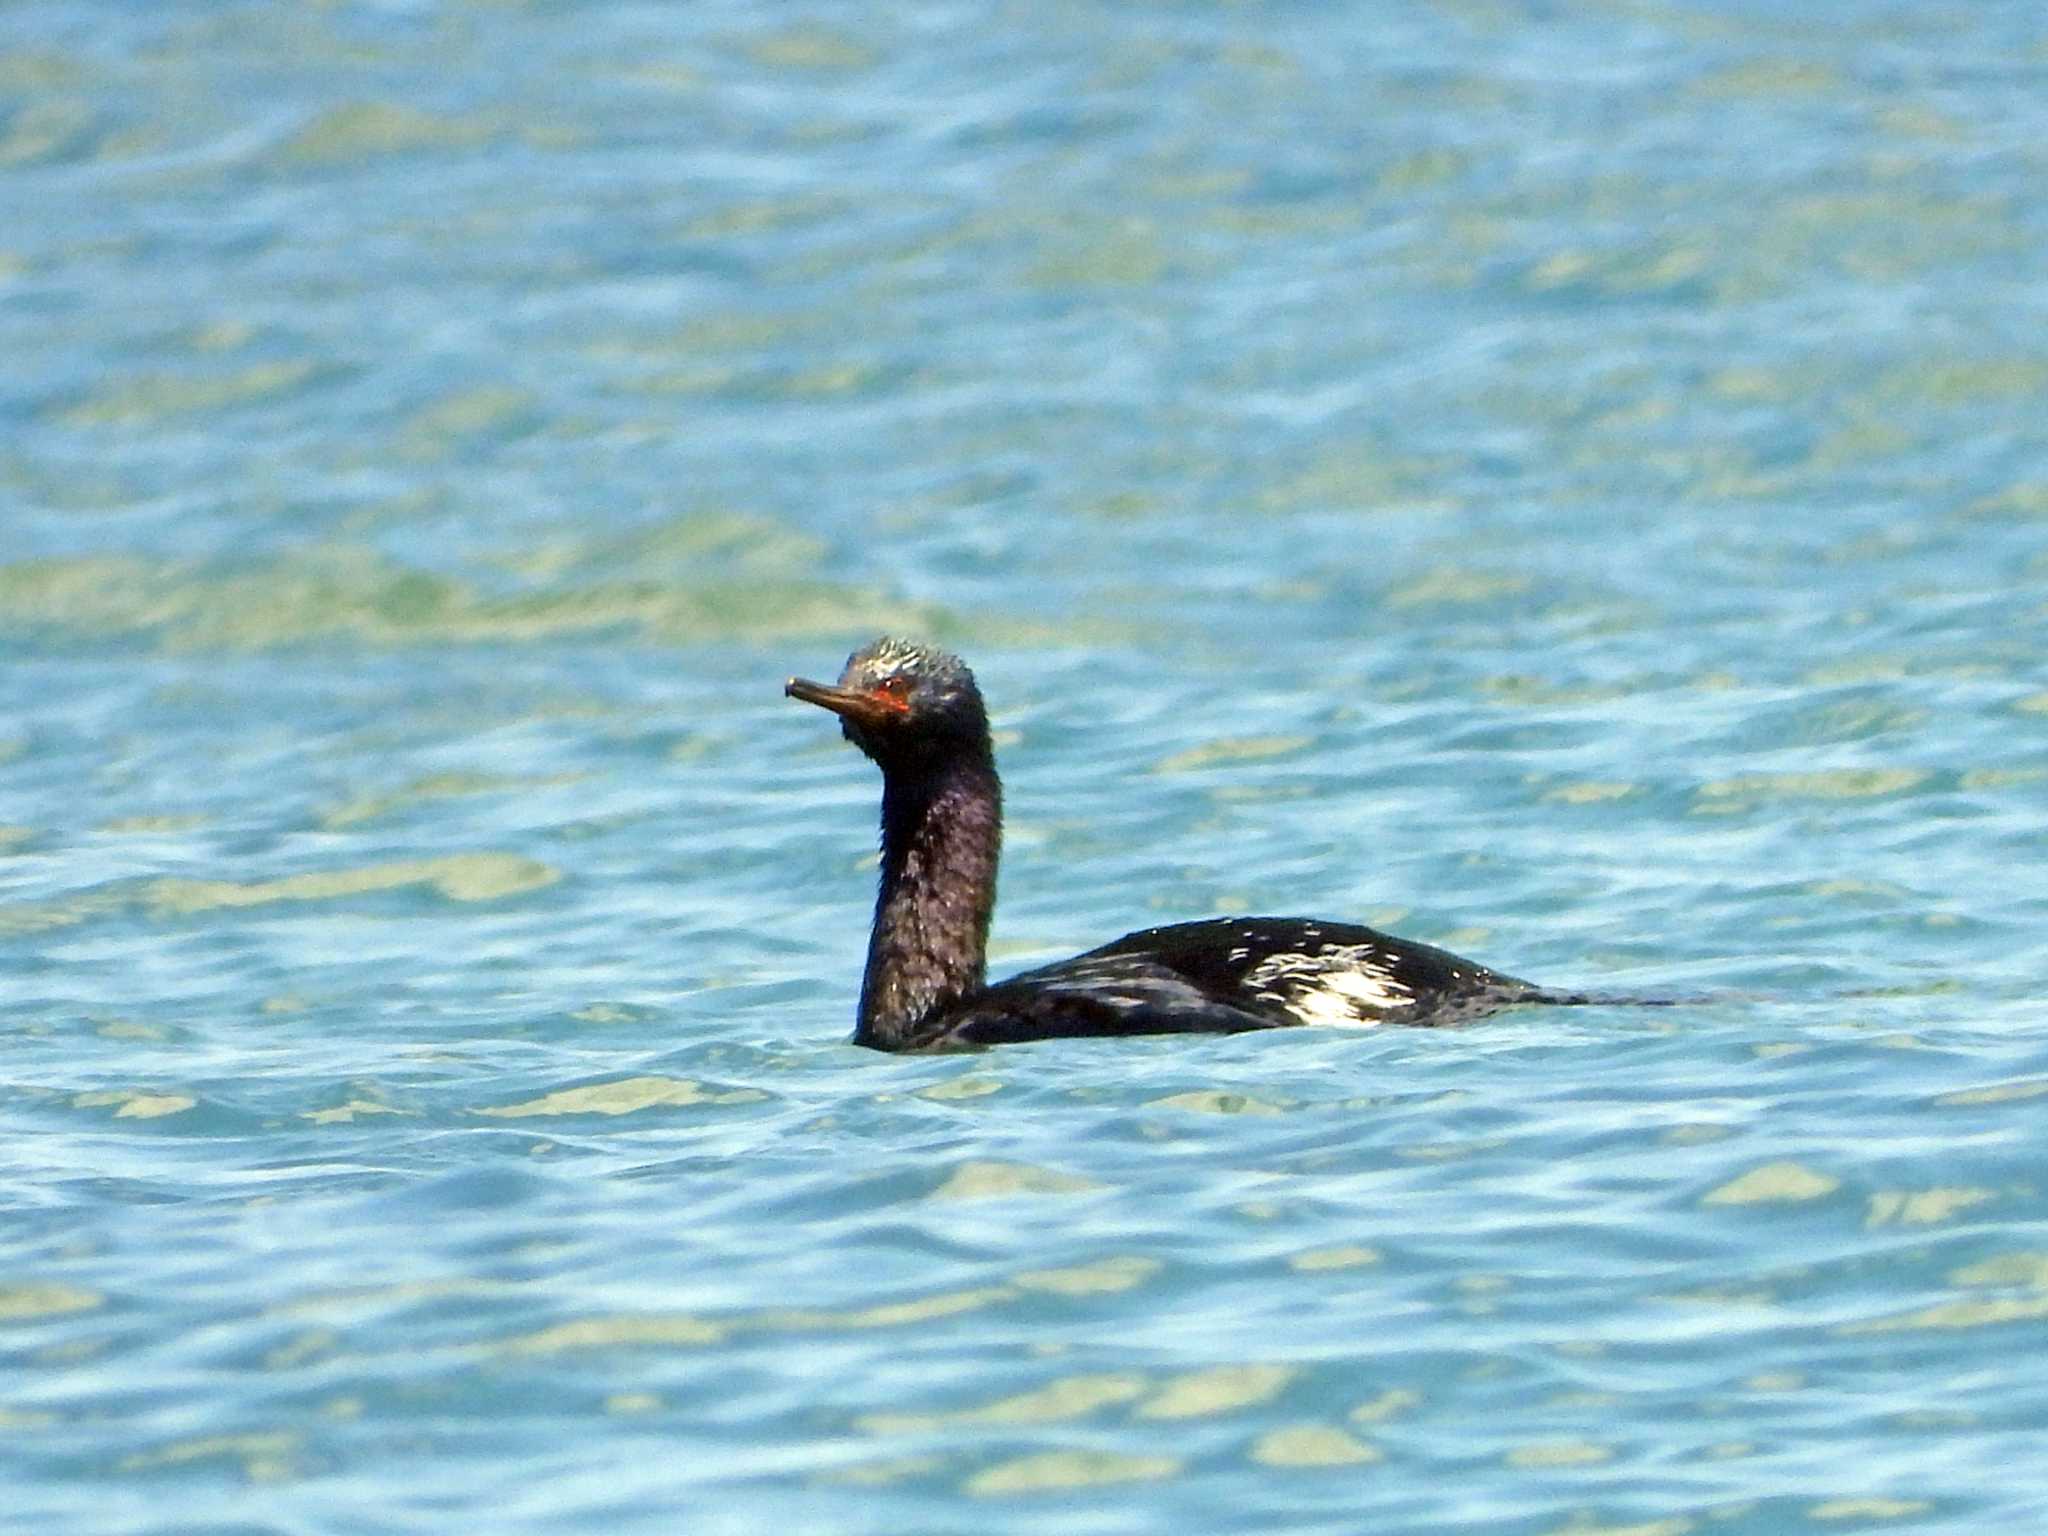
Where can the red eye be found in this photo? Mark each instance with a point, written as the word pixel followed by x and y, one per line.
pixel 896 690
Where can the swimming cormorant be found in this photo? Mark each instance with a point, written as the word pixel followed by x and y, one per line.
pixel 915 710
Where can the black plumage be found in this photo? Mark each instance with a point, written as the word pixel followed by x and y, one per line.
pixel 917 713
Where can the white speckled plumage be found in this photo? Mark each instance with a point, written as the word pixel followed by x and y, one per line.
pixel 1343 986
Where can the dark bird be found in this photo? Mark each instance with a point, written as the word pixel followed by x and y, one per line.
pixel 916 711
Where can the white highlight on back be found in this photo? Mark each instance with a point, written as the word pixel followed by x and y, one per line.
pixel 1346 986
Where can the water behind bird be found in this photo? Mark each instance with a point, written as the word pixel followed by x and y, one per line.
pixel 1563 488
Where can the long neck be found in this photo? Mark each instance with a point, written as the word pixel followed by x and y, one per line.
pixel 942 832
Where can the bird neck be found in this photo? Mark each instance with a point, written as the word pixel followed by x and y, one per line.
pixel 942 834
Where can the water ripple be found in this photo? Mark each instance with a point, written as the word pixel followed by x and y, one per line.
pixel 1565 487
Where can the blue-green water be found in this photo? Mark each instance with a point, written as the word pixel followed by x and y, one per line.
pixel 1568 483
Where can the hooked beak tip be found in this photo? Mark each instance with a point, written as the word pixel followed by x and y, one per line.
pixel 841 701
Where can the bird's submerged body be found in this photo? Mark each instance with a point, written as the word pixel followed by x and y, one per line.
pixel 1230 974
pixel 917 712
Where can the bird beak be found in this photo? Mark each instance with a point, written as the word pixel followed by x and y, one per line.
pixel 847 703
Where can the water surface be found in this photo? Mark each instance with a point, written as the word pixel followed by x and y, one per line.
pixel 1564 484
